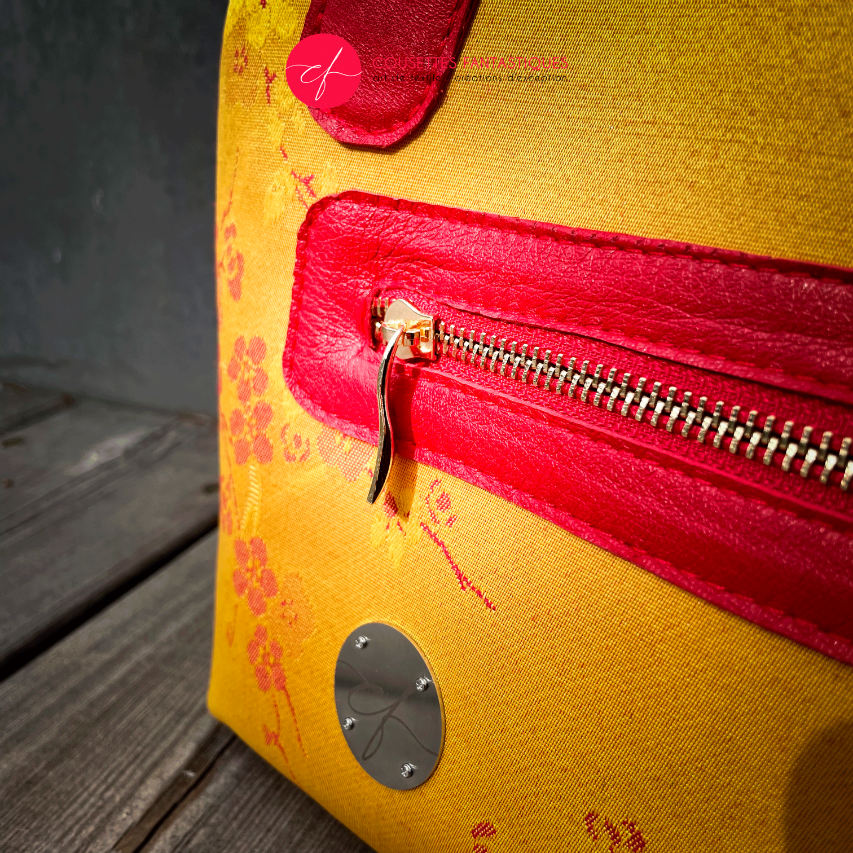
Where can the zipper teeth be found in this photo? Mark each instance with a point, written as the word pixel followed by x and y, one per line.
pixel 678 412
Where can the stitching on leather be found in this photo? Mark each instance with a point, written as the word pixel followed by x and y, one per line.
pixel 473 219
pixel 519 406
pixel 429 92
pixel 638 548
pixel 776 373
pixel 289 353
pixel 298 292
pixel 813 627
pixel 648 456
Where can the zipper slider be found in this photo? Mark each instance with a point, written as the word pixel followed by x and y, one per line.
pixel 408 334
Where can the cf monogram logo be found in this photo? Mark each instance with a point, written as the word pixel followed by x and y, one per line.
pixel 323 71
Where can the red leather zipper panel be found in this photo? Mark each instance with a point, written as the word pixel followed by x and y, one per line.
pixel 765 544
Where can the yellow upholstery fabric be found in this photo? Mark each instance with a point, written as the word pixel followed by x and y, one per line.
pixel 596 707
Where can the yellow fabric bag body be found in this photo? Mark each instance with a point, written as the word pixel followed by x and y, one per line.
pixel 600 708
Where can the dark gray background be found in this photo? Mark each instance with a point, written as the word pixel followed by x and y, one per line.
pixel 107 146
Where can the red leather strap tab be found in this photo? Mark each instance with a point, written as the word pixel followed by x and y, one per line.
pixel 768 545
pixel 407 50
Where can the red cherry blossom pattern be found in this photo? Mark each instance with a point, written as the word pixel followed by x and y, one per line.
pixel 241 59
pixel 252 577
pixel 296 448
pixel 249 421
pixel 439 511
pixel 266 654
pixel 392 512
pixel 484 829
pixel 231 263
pixel 621 837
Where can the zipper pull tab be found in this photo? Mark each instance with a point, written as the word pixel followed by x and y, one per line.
pixel 408 334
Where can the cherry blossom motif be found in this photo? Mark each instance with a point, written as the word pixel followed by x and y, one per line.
pixel 269 77
pixel 296 449
pixel 249 422
pixel 241 58
pixel 272 737
pixel 291 620
pixel 252 577
pixel 305 192
pixel 624 837
pixel 634 841
pixel 438 508
pixel 266 655
pixel 345 453
pixel 392 511
pixel 486 829
pixel 244 84
pixel 231 264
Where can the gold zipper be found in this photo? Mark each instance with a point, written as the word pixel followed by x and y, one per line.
pixel 409 334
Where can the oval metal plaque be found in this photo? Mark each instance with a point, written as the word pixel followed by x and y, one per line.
pixel 389 707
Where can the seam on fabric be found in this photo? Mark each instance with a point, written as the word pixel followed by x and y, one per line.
pixel 683 251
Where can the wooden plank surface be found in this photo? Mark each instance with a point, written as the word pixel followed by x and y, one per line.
pixel 19 405
pixel 84 537
pixel 105 626
pixel 243 805
pixel 105 743
pixel 74 443
pixel 94 729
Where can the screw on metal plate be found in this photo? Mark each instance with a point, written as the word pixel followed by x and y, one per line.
pixel 389 706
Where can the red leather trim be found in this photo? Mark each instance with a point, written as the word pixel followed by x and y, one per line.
pixel 385 33
pixel 761 543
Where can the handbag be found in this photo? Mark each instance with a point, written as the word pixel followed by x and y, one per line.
pixel 536 406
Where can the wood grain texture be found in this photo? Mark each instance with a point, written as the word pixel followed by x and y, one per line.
pixel 244 805
pixel 105 742
pixel 41 460
pixel 94 730
pixel 20 405
pixel 172 795
pixel 115 523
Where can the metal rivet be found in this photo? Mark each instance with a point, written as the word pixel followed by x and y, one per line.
pixel 348 723
pixel 421 684
pixel 361 642
pixel 407 770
